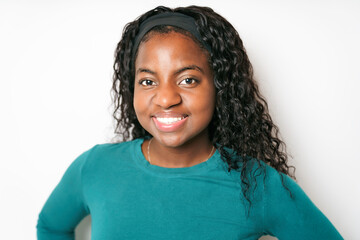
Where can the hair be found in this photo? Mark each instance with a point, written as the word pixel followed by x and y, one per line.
pixel 241 120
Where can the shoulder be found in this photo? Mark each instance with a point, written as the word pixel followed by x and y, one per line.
pixel 265 180
pixel 279 184
pixel 271 180
pixel 108 149
pixel 278 187
pixel 107 154
pixel 262 171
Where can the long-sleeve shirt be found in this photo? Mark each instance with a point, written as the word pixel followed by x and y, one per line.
pixel 128 198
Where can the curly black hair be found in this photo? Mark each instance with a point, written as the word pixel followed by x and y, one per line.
pixel 241 120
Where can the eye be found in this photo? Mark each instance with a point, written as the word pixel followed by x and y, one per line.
pixel 147 82
pixel 188 81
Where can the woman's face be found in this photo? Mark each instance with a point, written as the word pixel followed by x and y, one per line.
pixel 174 96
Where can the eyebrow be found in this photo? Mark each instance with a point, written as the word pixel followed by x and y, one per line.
pixel 190 67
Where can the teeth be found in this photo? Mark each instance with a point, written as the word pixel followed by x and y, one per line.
pixel 169 120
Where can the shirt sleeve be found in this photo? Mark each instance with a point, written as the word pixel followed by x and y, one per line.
pixel 66 206
pixel 295 217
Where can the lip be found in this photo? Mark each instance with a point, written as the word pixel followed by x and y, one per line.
pixel 169 115
pixel 169 127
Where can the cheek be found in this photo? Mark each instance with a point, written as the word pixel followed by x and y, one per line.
pixel 204 105
pixel 210 103
pixel 210 108
pixel 139 103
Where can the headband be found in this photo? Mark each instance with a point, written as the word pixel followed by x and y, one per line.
pixel 168 19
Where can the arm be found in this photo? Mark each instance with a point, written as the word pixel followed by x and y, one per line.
pixel 65 207
pixel 293 218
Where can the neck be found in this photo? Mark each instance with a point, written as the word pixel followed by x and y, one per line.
pixel 186 155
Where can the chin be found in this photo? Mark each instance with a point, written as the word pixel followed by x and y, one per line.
pixel 170 141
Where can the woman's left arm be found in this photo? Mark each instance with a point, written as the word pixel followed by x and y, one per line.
pixel 293 217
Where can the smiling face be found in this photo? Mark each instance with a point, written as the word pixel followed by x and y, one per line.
pixel 174 96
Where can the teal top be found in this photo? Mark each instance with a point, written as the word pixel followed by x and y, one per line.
pixel 130 199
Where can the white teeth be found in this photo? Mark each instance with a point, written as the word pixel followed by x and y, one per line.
pixel 169 120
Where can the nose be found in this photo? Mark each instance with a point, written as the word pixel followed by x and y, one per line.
pixel 167 96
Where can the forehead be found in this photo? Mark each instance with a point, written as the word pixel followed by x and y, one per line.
pixel 173 45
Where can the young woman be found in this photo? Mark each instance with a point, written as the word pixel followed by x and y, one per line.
pixel 200 157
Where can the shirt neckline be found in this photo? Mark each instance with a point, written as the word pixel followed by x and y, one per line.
pixel 141 161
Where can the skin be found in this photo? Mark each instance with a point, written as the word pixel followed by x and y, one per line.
pixel 173 79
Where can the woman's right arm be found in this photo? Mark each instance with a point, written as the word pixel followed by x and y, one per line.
pixel 66 206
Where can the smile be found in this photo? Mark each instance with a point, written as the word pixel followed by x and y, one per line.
pixel 169 120
pixel 169 124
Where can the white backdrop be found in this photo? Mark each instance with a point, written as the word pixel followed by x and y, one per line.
pixel 55 79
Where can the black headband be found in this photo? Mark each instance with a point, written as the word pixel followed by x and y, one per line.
pixel 168 19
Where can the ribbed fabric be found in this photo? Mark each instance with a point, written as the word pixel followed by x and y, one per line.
pixel 130 199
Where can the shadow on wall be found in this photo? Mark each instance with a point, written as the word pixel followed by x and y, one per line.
pixel 83 231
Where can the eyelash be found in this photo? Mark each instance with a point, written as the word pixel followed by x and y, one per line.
pixel 141 82
pixel 192 79
pixel 145 81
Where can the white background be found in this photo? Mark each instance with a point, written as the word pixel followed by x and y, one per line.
pixel 55 78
